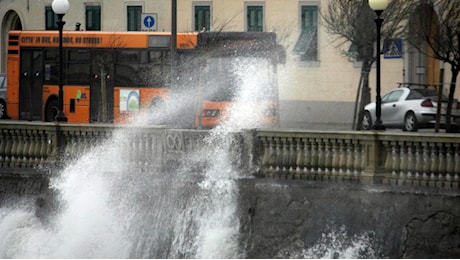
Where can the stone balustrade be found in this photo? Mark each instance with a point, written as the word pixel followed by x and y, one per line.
pixel 45 146
pixel 27 145
pixel 385 157
pixel 390 157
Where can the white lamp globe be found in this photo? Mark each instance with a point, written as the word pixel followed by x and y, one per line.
pixel 378 5
pixel 60 6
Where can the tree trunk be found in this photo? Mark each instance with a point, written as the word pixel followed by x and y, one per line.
pixel 453 82
pixel 365 92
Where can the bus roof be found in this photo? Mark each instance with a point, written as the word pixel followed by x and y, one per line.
pixel 102 39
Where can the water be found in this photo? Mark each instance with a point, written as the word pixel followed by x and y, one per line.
pixel 106 209
pixel 336 243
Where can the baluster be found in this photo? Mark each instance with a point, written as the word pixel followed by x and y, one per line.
pixel 388 156
pixel 285 155
pixel 449 165
pixel 300 156
pixel 8 147
pixel 138 145
pixel 35 149
pixel 266 155
pixel 292 156
pixel 314 156
pixel 27 139
pixel 148 149
pixel 404 160
pixel 143 151
pixel 349 157
pixel 320 147
pixel 343 157
pixel 328 156
pixel 279 153
pixel 456 170
pixel 273 154
pixel 307 155
pixel 363 157
pixel 77 143
pixel 146 152
pixel 426 162
pixel 418 163
pixel 434 164
pixel 410 162
pixel 14 148
pixel 335 157
pixel 358 156
pixel 43 155
pixel 3 141
pixel 68 149
pixel 441 164
pixel 396 160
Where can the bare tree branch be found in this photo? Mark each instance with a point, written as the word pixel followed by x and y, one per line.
pixel 352 21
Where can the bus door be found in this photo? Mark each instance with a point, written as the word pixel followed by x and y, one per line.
pixel 101 87
pixel 30 85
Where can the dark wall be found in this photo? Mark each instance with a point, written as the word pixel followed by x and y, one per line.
pixel 284 218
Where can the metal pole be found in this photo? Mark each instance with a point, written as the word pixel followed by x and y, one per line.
pixel 378 101
pixel 60 117
pixel 173 41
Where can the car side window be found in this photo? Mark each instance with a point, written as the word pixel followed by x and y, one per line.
pixel 2 82
pixel 392 96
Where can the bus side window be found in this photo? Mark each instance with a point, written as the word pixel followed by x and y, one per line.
pixel 78 70
pixel 47 72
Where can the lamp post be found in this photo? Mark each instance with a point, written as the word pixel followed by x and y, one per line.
pixel 378 6
pixel 60 8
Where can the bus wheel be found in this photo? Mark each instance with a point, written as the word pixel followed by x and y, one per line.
pixel 51 110
pixel 2 109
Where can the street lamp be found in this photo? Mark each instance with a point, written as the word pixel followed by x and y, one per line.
pixel 378 6
pixel 60 8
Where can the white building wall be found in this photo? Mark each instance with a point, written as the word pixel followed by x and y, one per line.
pixel 320 92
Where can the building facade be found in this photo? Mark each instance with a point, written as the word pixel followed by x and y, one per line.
pixel 317 84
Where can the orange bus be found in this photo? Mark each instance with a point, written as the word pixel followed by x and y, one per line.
pixel 110 76
pixel 107 75
pixel 228 55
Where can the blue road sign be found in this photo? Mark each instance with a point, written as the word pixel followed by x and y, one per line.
pixel 393 49
pixel 149 21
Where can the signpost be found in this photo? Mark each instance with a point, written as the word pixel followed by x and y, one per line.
pixel 149 22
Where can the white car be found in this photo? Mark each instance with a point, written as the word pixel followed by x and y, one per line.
pixel 410 108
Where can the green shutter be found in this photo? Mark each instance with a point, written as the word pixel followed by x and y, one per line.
pixel 202 17
pixel 93 18
pixel 50 19
pixel 255 19
pixel 307 43
pixel 134 18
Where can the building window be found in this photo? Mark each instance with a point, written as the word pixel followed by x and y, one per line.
pixel 255 18
pixel 134 17
pixel 50 19
pixel 307 43
pixel 202 17
pixel 93 18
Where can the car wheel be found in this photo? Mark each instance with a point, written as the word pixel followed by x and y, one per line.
pixel 2 109
pixel 410 122
pixel 51 110
pixel 366 124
